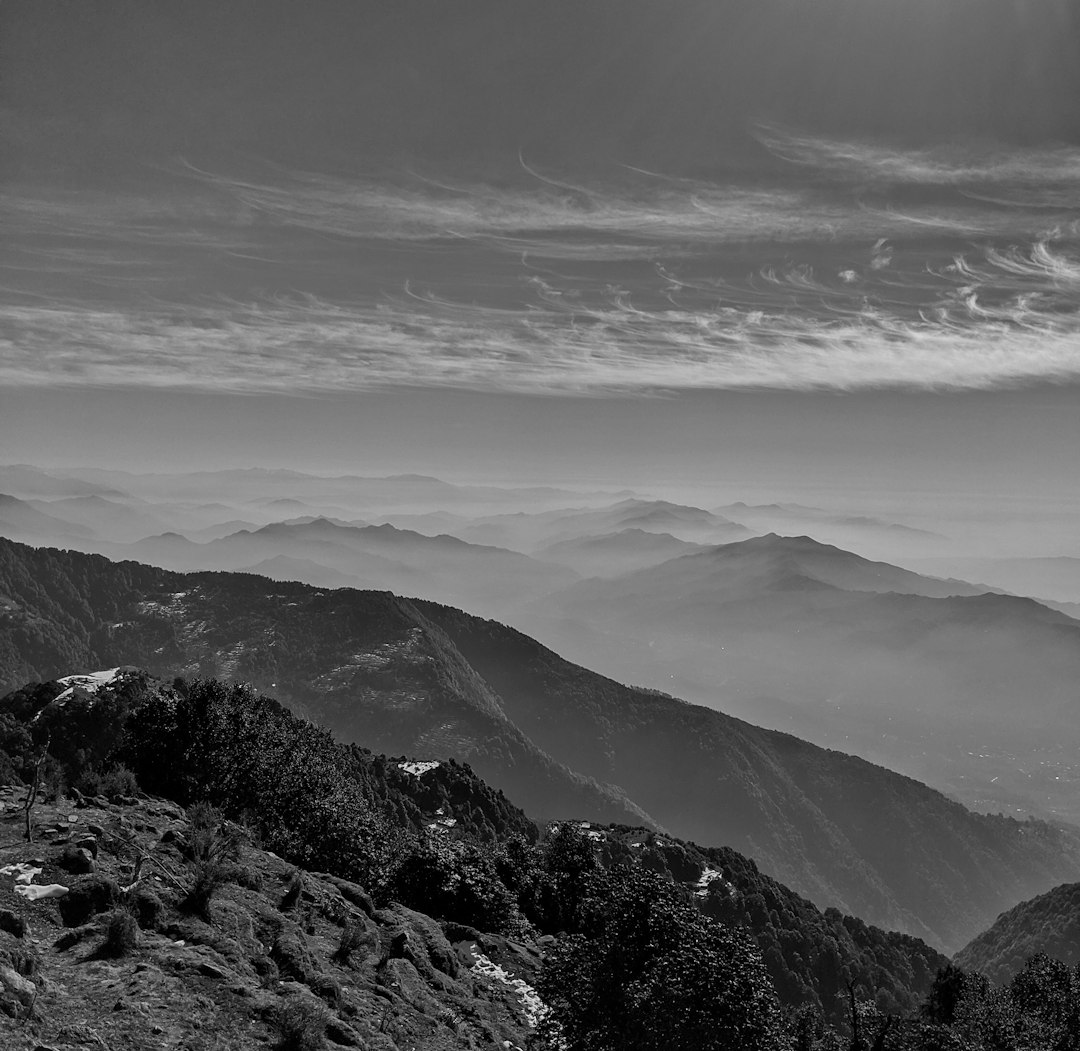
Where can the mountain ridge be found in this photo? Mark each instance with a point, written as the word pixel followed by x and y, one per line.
pixel 394 673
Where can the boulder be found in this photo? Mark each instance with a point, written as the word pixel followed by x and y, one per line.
pixel 87 897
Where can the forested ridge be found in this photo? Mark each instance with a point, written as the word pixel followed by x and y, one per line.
pixel 403 676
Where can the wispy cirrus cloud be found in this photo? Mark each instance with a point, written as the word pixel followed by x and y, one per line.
pixel 304 282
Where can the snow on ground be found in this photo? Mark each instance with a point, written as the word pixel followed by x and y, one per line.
pixel 90 683
pixel 701 888
pixel 417 767
pixel 25 886
pixel 533 1007
pixel 23 873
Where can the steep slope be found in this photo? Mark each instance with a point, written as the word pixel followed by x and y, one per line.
pixel 428 812
pixel 860 655
pixel 250 970
pixel 416 678
pixel 366 664
pixel 1047 924
pixel 833 826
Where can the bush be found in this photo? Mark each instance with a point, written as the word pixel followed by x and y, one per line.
pixel 214 847
pixel 354 936
pixel 301 1024
pixel 208 878
pixel 118 782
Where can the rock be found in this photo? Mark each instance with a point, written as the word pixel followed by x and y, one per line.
pixel 12 922
pixel 95 830
pixel 148 907
pixel 212 971
pixel 338 1032
pixel 21 988
pixel 88 843
pixel 87 897
pixel 76 860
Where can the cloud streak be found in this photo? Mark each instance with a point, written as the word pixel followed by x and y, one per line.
pixel 648 284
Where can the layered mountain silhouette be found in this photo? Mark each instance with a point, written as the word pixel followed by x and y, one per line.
pixel 20 518
pixel 418 678
pixel 323 551
pixel 537 531
pixel 936 677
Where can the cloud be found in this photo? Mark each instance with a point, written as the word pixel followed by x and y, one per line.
pixel 1008 318
pixel 547 285
pixel 1042 170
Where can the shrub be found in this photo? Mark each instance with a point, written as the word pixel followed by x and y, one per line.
pixel 301 1024
pixel 214 847
pixel 208 878
pixel 354 936
pixel 118 782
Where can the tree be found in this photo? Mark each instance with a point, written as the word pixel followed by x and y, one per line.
pixel 649 971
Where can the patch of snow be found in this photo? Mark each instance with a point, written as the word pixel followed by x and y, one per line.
pixel 709 876
pixel 24 882
pixel 22 872
pixel 534 1009
pixel 417 767
pixel 89 683
pixel 32 892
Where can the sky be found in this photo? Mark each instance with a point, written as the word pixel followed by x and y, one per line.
pixel 768 246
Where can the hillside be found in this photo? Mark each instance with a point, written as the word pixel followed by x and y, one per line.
pixel 254 968
pixel 420 679
pixel 833 826
pixel 430 836
pixel 1047 924
pixel 853 654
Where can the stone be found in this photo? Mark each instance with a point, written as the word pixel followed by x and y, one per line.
pixel 339 1033
pixel 76 860
pixel 95 830
pixel 21 988
pixel 13 923
pixel 86 898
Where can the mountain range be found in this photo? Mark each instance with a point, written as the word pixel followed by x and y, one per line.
pixel 971 690
pixel 431 681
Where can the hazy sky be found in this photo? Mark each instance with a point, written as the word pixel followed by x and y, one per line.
pixel 762 243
